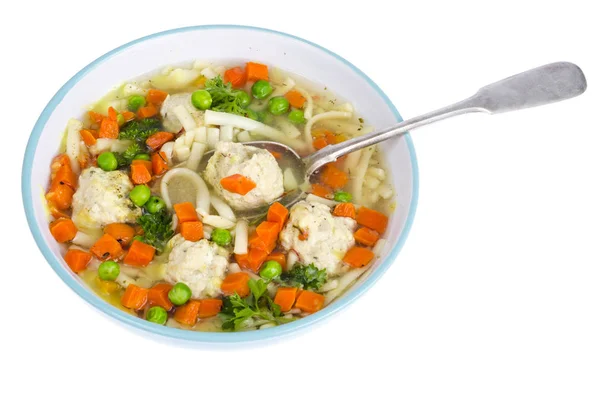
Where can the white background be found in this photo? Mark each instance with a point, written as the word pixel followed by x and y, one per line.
pixel 497 290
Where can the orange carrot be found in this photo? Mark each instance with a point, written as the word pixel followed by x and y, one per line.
pixel 88 137
pixel 366 236
pixel 257 71
pixel 309 301
pixel 156 97
pixel 209 307
pixel 147 111
pixel 63 230
pixel 278 213
pixel 295 98
pixel 96 118
pixel 156 140
pixel 188 313
pixel 242 260
pixel 185 212
pixel 159 296
pixel 141 171
pixel 373 219
pixel 56 213
pixel 285 298
pixel 134 297
pixel 236 283
pixel 77 259
pixel 139 254
pixel 192 231
pixel 112 113
pixel 322 191
pixel 256 257
pixel 57 163
pixel 320 143
pixel 236 76
pixel 268 232
pixel 345 209
pixel 278 257
pixel 237 183
pixel 128 116
pixel 122 232
pixel 333 177
pixel 60 197
pixel 107 247
pixel 64 175
pixel 358 256
pixel 159 163
pixel 108 128
pixel 257 242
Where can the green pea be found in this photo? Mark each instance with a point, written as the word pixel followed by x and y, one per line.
pixel 157 314
pixel 140 195
pixel 251 114
pixel 120 119
pixel 142 156
pixel 179 294
pixel 155 204
pixel 221 237
pixel 296 116
pixel 270 270
pixel 109 271
pixel 135 102
pixel 108 161
pixel 243 98
pixel 201 99
pixel 343 197
pixel 265 117
pixel 261 89
pixel 278 105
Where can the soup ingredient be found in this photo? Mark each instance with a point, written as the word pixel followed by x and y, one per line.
pixel 253 163
pixel 77 259
pixel 88 137
pixel 372 219
pixel 140 254
pixel 322 191
pixel 157 315
pixel 345 209
pixel 141 171
pixel 180 294
pixel 107 247
pixel 147 111
pixel 156 97
pixel 243 99
pixel 158 295
pixel 270 270
pixel 140 195
pixel 159 163
pixel 296 116
pixel 201 265
pixel 256 71
pixel 278 257
pixel 140 130
pixel 135 102
pixel 142 156
pixel 261 89
pixel 342 197
pixel 156 140
pixel 185 212
pixel 235 76
pixel 278 105
pixel 128 116
pixel 251 114
pixel 134 297
pixel 188 313
pixel 63 230
pixel 366 236
pixel 264 117
pixel 333 176
pixel 122 232
pixel 221 237
pixel 102 198
pixel 237 184
pixel 109 127
pixel 317 236
pixel 157 228
pixel 171 121
pixel 201 99
pixel 295 98
pixel 278 213
pixel 209 307
pixel 192 231
pixel 285 298
pixel 264 238
pixel 107 161
pixel 236 284
pixel 155 204
pixel 224 98
pixel 305 276
pixel 358 257
pixel 124 159
pixel 309 301
pixel 109 271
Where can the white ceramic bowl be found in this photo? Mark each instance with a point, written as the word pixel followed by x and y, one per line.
pixel 221 42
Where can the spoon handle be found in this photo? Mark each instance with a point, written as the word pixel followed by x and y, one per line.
pixel 540 86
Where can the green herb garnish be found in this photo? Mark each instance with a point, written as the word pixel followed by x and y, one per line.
pixel 305 276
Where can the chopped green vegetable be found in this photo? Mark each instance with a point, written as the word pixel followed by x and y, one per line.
pixel 141 156
pixel 342 197
pixel 157 228
pixel 305 276
pixel 140 194
pixel 270 270
pixel 201 99
pixel 120 119
pixel 221 237
pixel 261 89
pixel 296 116
pixel 108 161
pixel 140 130
pixel 180 294
pixel 135 102
pixel 238 313
pixel 243 98
pixel 155 204
pixel 278 105
pixel 109 271
pixel 157 314
pixel 131 153
pixel 224 98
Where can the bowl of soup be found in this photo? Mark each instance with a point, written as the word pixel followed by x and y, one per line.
pixel 139 171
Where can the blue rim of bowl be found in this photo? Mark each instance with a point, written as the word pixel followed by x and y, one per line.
pixel 194 336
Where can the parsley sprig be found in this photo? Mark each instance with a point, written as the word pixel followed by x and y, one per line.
pixel 305 276
pixel 224 98
pixel 157 228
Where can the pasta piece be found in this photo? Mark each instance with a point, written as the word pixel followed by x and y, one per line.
pixel 167 149
pixel 385 191
pixel 376 172
pixel 222 208
pixel 189 137
pixel 124 280
pixel 343 282
pixel 317 199
pixel 289 180
pixel 185 118
pixel 284 87
pixel 174 222
pixel 196 155
pixel 288 128
pixel 327 115
pixel 241 238
pixel 371 182
pixel 212 137
pixel 202 194
pixel 84 239
pixel 200 135
pixel 292 258
pixel 226 133
pixel 73 137
pixel 182 153
pixel 359 174
pixel 218 221
pixel 119 146
pixel 244 136
pixel 233 268
pixel 351 162
pixel 379 246
pixel 102 145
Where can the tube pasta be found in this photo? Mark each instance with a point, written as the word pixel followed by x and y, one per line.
pixel 343 282
pixel 185 118
pixel 73 137
pixel 202 194
pixel 241 237
pixel 196 155
pixel 217 221
pixel 167 148
pixel 226 133
pixel 84 240
pixel 284 88
pixel 379 246
pixel 222 208
pixel 212 137
pixel 359 173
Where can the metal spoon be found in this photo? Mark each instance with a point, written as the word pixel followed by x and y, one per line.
pixel 540 86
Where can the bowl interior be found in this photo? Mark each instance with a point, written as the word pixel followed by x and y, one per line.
pixel 216 43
